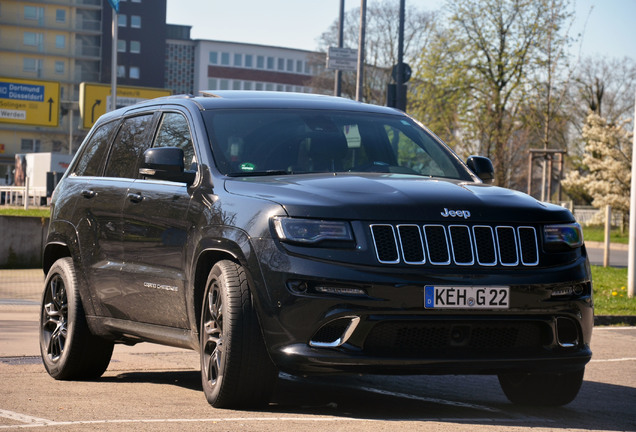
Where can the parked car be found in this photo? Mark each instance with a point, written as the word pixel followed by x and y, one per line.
pixel 307 234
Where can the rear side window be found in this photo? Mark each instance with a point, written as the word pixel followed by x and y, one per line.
pixel 130 143
pixel 93 157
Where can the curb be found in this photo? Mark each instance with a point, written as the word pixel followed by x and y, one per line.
pixel 608 320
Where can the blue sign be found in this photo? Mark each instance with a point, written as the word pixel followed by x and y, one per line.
pixel 23 92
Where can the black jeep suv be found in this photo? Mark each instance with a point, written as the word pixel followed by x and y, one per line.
pixel 307 234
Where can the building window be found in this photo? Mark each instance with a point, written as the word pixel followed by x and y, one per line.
pixel 214 57
pixel 121 71
pixel 121 45
pixel 299 66
pixel 134 72
pixel 270 63
pixel 281 64
pixel 260 62
pixel 29 145
pixel 269 86
pixel 60 41
pixel 238 60
pixel 122 20
pixel 249 61
pixel 33 13
pixel 290 65
pixel 247 85
pixel 236 85
pixel 212 83
pixel 259 86
pixel 135 47
pixel 30 64
pixel 225 59
pixel 59 67
pixel 225 84
pixel 30 39
pixel 60 15
pixel 135 21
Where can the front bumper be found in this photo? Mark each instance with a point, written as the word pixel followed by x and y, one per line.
pixel 319 316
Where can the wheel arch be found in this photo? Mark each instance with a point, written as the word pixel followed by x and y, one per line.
pixel 205 261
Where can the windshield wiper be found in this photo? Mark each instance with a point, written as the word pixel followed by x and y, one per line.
pixel 259 173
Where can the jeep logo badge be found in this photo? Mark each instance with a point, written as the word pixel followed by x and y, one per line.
pixel 455 213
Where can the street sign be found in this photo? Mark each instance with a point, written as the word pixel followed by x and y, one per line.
pixel 95 98
pixel 345 59
pixel 29 102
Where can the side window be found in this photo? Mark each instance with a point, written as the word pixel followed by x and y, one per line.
pixel 93 157
pixel 174 132
pixel 129 145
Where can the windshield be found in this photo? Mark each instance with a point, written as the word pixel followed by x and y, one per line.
pixel 285 141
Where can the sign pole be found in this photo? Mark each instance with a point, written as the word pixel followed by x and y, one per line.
pixel 338 77
pixel 113 70
pixel 631 259
pixel 360 82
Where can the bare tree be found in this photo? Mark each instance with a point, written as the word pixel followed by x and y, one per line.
pixel 381 46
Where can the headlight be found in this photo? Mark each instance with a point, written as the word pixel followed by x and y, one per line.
pixel 312 231
pixel 563 237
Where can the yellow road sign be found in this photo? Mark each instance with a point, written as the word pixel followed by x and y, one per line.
pixel 29 102
pixel 95 99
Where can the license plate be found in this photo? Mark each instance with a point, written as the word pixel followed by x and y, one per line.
pixel 466 297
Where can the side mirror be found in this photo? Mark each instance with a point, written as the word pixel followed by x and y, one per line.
pixel 482 167
pixel 166 163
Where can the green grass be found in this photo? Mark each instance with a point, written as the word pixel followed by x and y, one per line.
pixel 610 292
pixel 597 233
pixel 15 211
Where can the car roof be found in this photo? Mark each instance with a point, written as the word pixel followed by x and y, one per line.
pixel 215 99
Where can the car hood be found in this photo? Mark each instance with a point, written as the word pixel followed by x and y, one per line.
pixel 395 197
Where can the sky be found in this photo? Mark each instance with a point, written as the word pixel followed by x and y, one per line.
pixel 606 26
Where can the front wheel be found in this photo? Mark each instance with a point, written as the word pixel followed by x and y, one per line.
pixel 69 350
pixel 543 389
pixel 236 371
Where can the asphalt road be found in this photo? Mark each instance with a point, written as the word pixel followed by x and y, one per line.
pixel 617 257
pixel 150 387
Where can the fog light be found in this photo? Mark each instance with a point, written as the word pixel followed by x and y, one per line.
pixel 562 291
pixel 349 291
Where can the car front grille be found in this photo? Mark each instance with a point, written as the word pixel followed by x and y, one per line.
pixel 462 245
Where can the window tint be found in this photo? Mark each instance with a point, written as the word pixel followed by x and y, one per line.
pixel 95 151
pixel 128 147
pixel 174 132
pixel 305 141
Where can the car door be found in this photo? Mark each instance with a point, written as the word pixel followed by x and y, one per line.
pixel 156 225
pixel 100 229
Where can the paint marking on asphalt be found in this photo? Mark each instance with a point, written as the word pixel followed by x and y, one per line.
pixel 23 418
pixel 625 359
pixel 32 422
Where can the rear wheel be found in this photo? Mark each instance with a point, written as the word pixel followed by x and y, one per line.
pixel 69 350
pixel 236 370
pixel 545 389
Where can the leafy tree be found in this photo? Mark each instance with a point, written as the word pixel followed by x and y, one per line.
pixel 482 68
pixel 607 162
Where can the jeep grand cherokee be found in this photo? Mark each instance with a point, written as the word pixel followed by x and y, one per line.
pixel 307 234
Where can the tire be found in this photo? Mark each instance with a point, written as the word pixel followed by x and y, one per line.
pixel 542 389
pixel 69 350
pixel 236 370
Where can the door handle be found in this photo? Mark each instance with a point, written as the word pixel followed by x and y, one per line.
pixel 87 193
pixel 135 197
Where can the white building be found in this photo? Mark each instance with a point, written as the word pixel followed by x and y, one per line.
pixel 222 65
